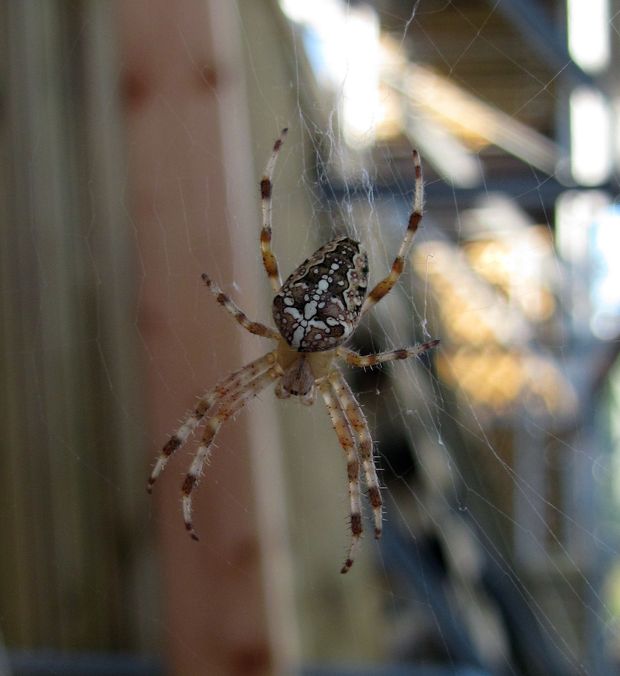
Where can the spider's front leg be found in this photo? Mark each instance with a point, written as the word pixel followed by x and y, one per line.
pixel 227 386
pixel 226 407
pixel 349 446
pixel 355 416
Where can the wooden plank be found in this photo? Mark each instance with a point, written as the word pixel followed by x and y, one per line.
pixel 216 620
pixel 68 388
pixel 44 343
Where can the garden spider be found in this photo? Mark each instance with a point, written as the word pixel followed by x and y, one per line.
pixel 316 310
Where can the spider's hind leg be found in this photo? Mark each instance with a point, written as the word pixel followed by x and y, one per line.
pixel 385 285
pixel 237 313
pixel 269 259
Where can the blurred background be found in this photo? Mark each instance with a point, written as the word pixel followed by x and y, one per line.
pixel 134 135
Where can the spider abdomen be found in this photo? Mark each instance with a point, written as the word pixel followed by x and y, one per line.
pixel 318 306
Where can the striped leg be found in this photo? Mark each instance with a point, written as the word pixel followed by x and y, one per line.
pixel 357 420
pixel 226 387
pixel 364 360
pixel 232 308
pixel 269 259
pixel 227 407
pixel 349 446
pixel 385 285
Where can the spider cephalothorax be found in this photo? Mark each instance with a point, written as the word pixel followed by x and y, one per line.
pixel 316 310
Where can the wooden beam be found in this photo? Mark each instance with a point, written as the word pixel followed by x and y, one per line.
pixel 215 619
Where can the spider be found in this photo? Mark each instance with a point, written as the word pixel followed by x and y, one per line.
pixel 316 311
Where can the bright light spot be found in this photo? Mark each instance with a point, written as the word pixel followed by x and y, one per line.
pixel 575 211
pixel 605 290
pixel 591 144
pixel 588 33
pixel 322 22
pixel 342 43
pixel 360 90
pixel 299 11
pixel 588 238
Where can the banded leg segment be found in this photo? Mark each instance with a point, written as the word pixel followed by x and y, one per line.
pixel 226 408
pixel 228 386
pixel 357 420
pixel 233 309
pixel 269 259
pixel 386 285
pixel 364 360
pixel 349 446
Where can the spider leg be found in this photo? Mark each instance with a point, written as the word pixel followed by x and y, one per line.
pixel 354 359
pixel 226 387
pixel 357 420
pixel 385 285
pixel 232 308
pixel 269 259
pixel 226 407
pixel 349 446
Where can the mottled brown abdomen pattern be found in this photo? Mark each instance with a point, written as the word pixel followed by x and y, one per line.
pixel 318 306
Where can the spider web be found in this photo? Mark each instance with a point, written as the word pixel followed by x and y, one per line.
pixel 497 499
pixel 497 452
pixel 495 555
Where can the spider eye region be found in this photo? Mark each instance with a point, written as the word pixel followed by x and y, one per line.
pixel 318 306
